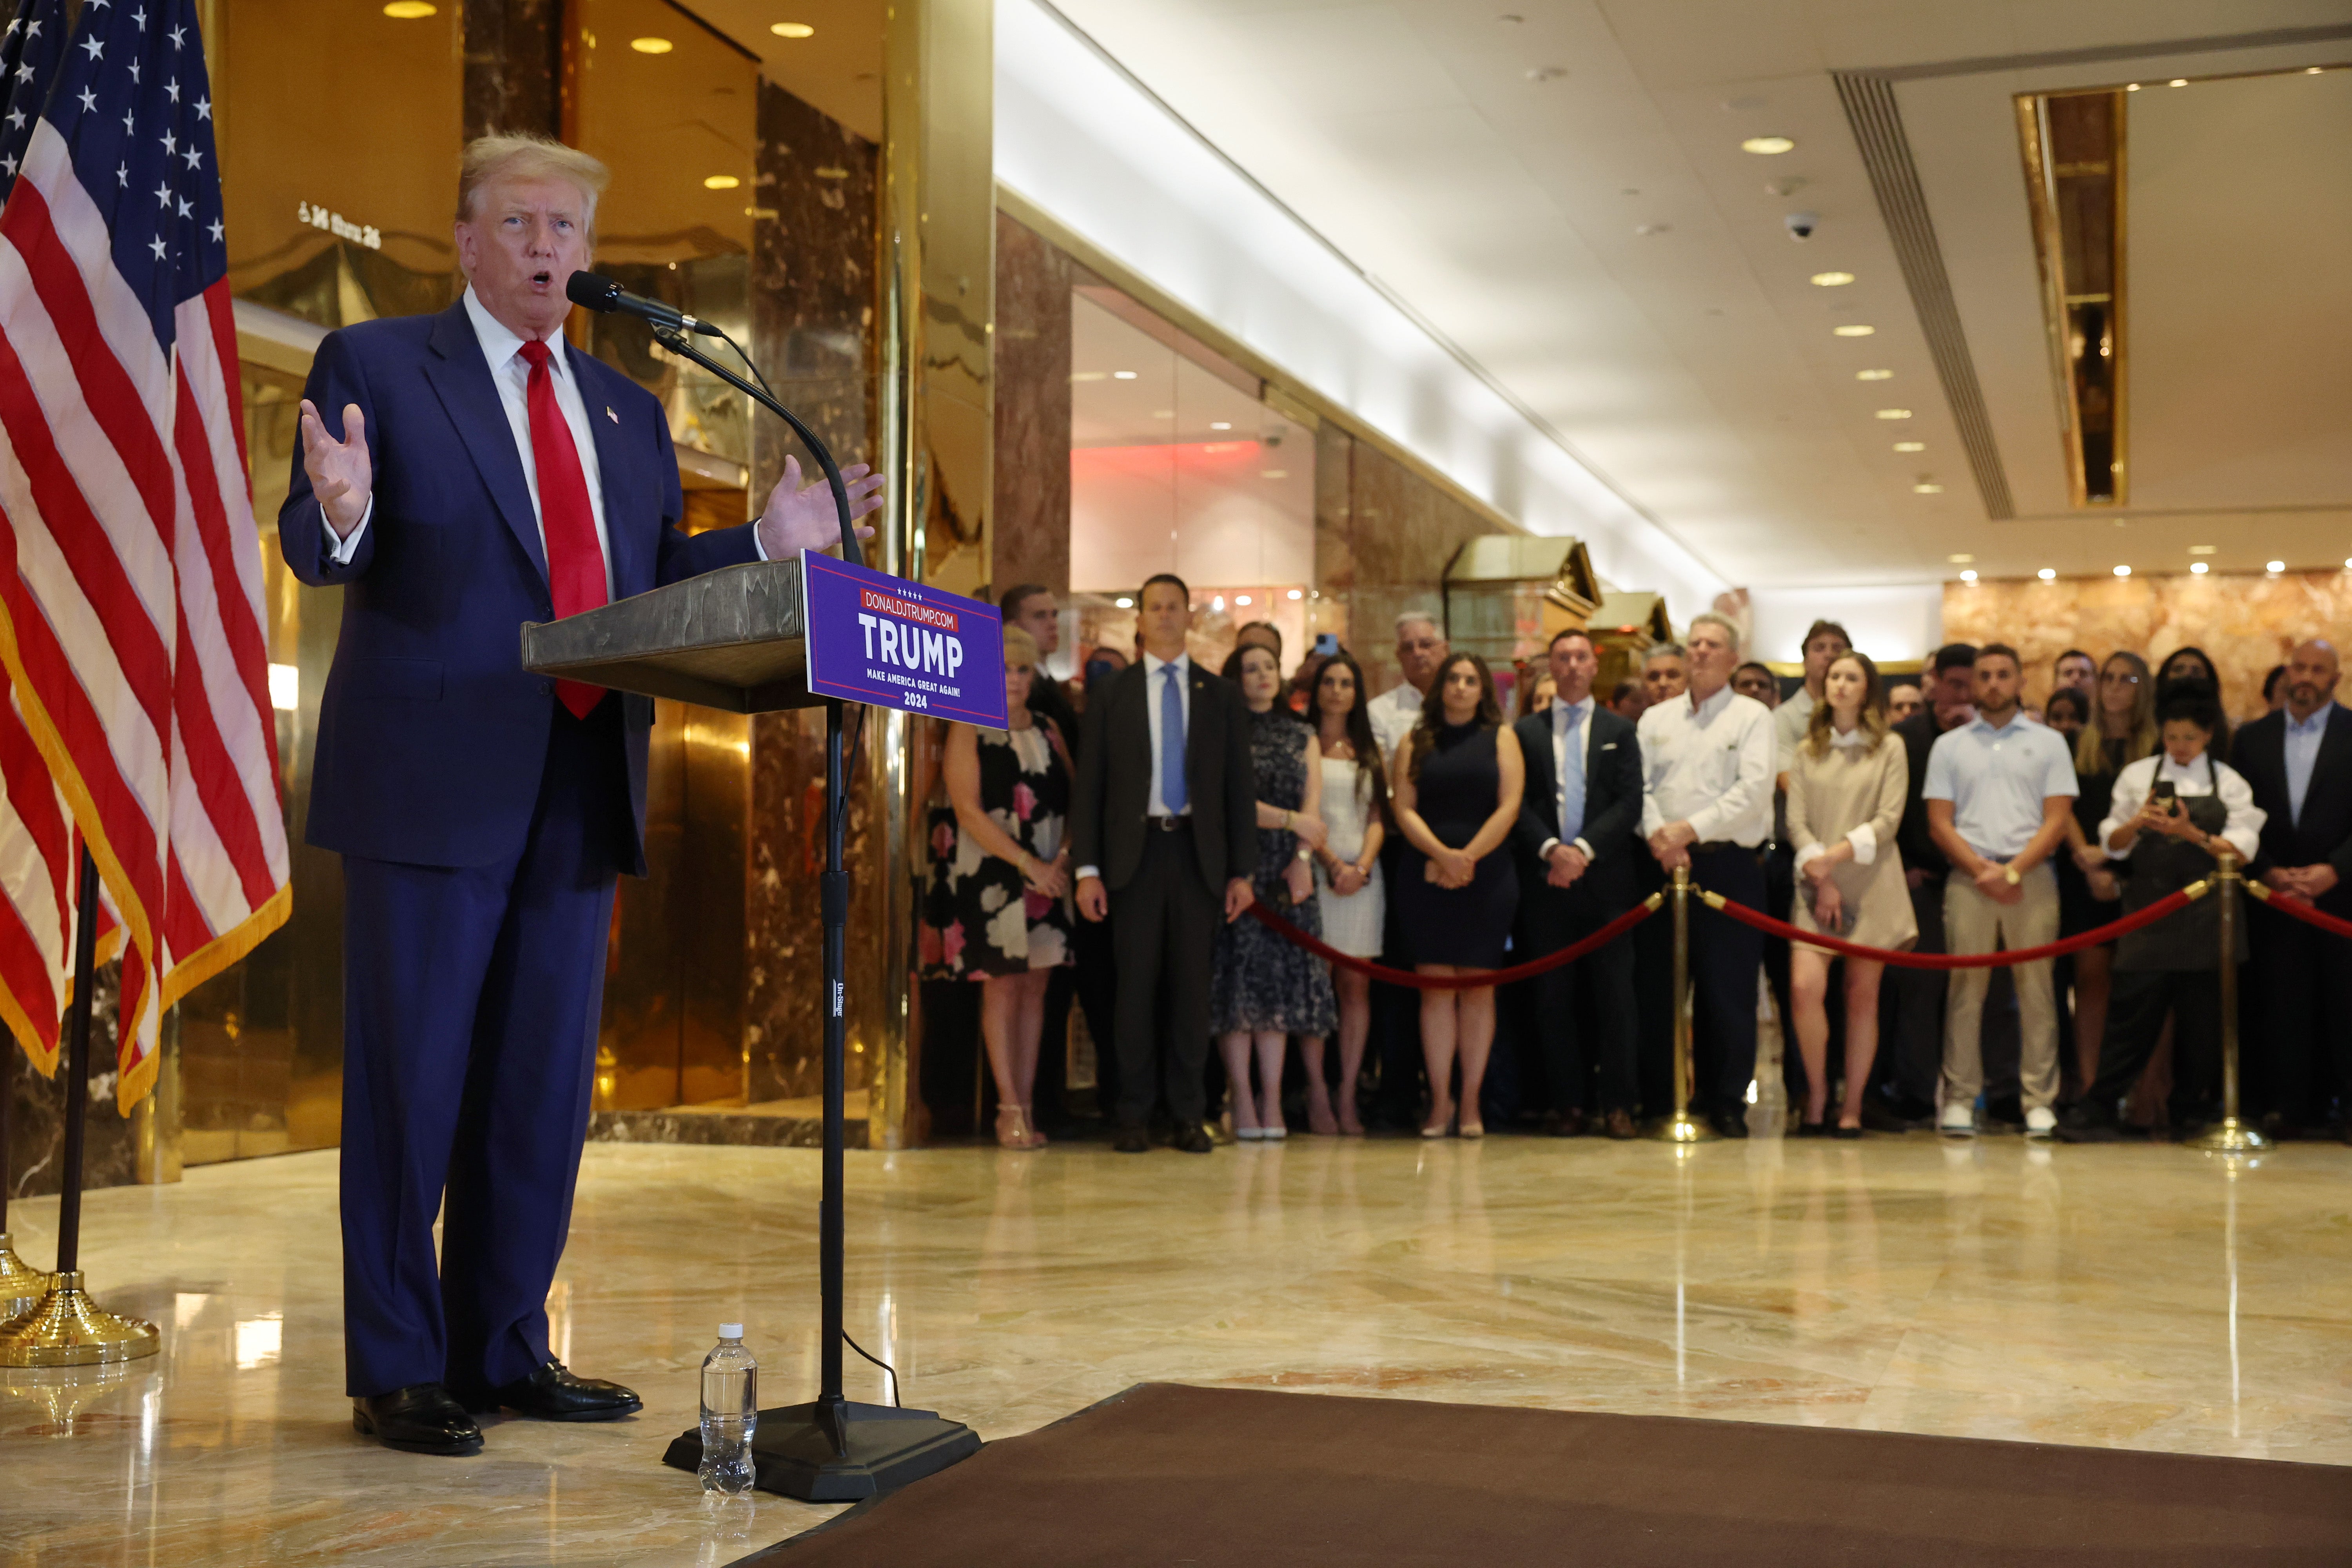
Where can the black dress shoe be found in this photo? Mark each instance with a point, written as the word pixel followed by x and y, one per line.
pixel 1131 1140
pixel 1620 1124
pixel 1566 1123
pixel 1194 1140
pixel 1729 1123
pixel 419 1419
pixel 552 1394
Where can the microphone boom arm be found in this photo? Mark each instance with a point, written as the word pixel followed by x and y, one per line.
pixel 677 343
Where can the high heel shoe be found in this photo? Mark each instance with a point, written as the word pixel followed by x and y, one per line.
pixel 1438 1125
pixel 1038 1138
pixel 1013 1128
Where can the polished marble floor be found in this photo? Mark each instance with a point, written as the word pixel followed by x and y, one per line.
pixel 2143 1297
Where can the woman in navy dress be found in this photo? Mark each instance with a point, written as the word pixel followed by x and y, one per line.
pixel 1458 777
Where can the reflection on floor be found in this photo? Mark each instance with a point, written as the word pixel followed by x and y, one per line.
pixel 2135 1295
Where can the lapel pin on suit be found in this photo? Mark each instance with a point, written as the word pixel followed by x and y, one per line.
pixel 610 415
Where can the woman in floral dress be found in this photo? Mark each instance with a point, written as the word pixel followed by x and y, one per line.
pixel 998 909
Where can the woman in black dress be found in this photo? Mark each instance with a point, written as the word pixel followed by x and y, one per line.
pixel 1264 990
pixel 1458 777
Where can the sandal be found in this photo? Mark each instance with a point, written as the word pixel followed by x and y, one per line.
pixel 1013 1128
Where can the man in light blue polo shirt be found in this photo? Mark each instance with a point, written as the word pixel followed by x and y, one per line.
pixel 2000 792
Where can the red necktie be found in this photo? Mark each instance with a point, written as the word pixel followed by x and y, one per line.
pixel 576 562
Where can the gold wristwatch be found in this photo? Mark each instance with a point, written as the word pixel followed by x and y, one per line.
pixel 2009 874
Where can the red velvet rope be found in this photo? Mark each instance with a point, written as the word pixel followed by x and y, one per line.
pixel 2288 904
pixel 1573 951
pixel 2156 911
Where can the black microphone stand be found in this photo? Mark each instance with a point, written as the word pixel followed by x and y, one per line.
pixel 833 1450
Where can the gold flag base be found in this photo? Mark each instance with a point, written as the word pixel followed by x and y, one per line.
pixel 1682 1127
pixel 2230 1136
pixel 21 1285
pixel 66 1327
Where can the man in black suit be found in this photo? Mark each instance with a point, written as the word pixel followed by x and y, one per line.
pixel 2298 760
pixel 1577 862
pixel 1164 828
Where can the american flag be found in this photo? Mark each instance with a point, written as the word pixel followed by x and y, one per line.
pixel 131 618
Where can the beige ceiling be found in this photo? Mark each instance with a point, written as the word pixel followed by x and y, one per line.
pixel 1558 188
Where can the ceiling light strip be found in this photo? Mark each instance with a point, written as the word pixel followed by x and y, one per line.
pixel 1877 123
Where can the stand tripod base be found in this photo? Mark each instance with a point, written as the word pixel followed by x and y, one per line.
pixel 2231 1137
pixel 65 1328
pixel 1682 1127
pixel 21 1285
pixel 791 1454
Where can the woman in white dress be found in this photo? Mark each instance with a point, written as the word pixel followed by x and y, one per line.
pixel 1347 877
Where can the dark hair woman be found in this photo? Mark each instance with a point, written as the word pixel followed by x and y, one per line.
pixel 1457 787
pixel 1347 875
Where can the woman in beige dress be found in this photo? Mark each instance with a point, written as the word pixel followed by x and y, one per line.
pixel 1846 800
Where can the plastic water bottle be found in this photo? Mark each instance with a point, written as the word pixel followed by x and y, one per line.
pixel 730 1412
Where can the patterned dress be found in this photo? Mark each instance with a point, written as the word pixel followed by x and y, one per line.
pixel 979 919
pixel 1261 982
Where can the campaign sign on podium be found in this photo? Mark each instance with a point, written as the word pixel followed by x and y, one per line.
pixel 888 643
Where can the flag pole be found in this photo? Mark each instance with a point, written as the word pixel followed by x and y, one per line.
pixel 66 1327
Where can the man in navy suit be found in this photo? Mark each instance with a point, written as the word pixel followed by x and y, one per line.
pixel 1578 872
pixel 463 473
pixel 2298 762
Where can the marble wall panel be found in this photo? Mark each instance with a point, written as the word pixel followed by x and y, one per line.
pixel 1033 279
pixel 2246 623
pixel 514 66
pixel 814 311
pixel 111 1142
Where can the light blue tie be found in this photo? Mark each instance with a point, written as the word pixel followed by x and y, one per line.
pixel 1571 778
pixel 1171 740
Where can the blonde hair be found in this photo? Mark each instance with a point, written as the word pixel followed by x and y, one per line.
pixel 530 157
pixel 1020 650
pixel 2091 745
pixel 1874 709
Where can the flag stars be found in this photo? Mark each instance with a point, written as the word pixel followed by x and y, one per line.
pixel 15 120
pixel 31 28
pixel 122 177
pixel 134 70
pixel 89 101
pixel 140 17
pixel 216 231
pixel 177 35
pixel 204 109
pixel 171 143
pixel 193 156
pixel 126 122
pixel 8 164
pixel 94 47
pixel 185 210
pixel 25 71
pixel 172 87
pixel 164 194
pixel 158 247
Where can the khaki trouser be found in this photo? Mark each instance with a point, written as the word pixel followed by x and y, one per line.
pixel 1974 923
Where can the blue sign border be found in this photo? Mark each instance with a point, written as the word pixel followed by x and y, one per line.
pixel 834 598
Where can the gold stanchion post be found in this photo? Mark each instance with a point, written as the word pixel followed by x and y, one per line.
pixel 1681 1127
pixel 2234 1136
pixel 65 1328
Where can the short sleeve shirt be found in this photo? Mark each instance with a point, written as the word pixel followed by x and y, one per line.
pixel 1996 780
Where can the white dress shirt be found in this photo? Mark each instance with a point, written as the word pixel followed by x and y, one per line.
pixel 1156 804
pixel 2243 827
pixel 1710 764
pixel 1561 714
pixel 1788 722
pixel 1393 715
pixel 511 373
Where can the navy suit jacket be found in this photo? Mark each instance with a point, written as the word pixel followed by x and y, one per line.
pixel 2325 833
pixel 432 736
pixel 1612 814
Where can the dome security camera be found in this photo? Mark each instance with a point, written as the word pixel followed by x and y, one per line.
pixel 1800 226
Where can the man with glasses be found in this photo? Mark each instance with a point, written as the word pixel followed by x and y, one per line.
pixel 1421 648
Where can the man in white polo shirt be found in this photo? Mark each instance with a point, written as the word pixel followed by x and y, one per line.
pixel 2000 791
pixel 1421 648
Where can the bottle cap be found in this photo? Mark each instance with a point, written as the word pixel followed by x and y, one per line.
pixel 731 1330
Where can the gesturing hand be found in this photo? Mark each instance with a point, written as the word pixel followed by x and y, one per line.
pixel 341 477
pixel 801 517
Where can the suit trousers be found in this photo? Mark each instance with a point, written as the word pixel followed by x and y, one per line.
pixel 1584 1011
pixel 2137 1004
pixel 1911 1010
pixel 1164 929
pixel 1974 923
pixel 2299 1051
pixel 1725 958
pixel 471 998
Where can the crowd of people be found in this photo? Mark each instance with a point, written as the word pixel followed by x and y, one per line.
pixel 1424 828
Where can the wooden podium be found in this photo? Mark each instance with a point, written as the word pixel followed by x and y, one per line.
pixel 733 639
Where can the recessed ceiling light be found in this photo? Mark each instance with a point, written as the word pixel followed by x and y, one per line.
pixel 1895 414
pixel 1123 375
pixel 1275 474
pixel 1767 145
pixel 2133 87
pixel 1910 446
pixel 1926 488
pixel 2179 81
pixel 2123 570
pixel 410 10
pixel 2201 550
pixel 652 46
pixel 1241 598
pixel 1297 594
pixel 2048 575
pixel 1124 603
pixel 2198 567
pixel 1854 329
pixel 1962 559
pixel 2274 565
pixel 1873 376
pixel 1086 376
pixel 1968 577
pixel 1832 279
pixel 792 29
pixel 2312 70
pixel 1221 424
pixel 720 182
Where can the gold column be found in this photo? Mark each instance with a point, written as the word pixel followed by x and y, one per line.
pixel 938 268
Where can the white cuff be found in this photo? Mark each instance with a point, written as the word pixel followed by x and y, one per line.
pixel 1866 843
pixel 1809 854
pixel 1585 850
pixel 759 545
pixel 1086 871
pixel 1548 845
pixel 339 550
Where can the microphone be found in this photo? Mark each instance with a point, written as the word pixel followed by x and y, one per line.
pixel 594 291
